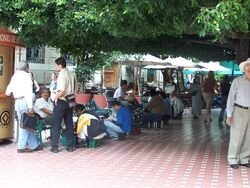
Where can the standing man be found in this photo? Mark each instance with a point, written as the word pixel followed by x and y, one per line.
pixel 20 87
pixel 66 85
pixel 224 90
pixel 238 117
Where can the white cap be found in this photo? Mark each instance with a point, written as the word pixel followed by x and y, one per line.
pixel 242 64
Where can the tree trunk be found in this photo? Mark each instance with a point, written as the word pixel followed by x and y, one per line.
pixel 242 50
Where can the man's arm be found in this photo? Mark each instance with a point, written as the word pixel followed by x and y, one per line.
pixel 46 111
pixel 231 101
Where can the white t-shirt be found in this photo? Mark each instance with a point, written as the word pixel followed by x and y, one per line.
pixel 118 93
pixel 42 103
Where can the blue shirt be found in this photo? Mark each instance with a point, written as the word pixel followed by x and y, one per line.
pixel 124 119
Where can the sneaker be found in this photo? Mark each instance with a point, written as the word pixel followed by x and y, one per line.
pixel 121 136
pixel 115 138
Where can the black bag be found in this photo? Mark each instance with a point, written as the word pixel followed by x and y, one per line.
pixel 71 100
pixel 28 122
pixel 194 92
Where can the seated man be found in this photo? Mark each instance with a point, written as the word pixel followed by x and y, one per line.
pixel 120 91
pixel 44 107
pixel 178 106
pixel 89 125
pixel 117 129
pixel 155 109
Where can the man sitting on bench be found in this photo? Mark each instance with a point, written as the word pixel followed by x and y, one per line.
pixel 44 107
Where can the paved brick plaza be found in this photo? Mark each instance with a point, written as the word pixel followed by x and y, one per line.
pixel 186 153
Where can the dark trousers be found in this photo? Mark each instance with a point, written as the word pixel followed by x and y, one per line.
pixel 151 117
pixel 62 111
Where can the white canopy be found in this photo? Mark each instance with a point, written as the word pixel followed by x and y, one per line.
pixel 159 67
pixel 213 66
pixel 141 60
pixel 180 62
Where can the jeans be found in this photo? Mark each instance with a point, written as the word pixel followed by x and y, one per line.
pixel 62 111
pixel 25 138
pixel 223 108
pixel 112 128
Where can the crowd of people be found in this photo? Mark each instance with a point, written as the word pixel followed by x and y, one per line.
pixel 55 108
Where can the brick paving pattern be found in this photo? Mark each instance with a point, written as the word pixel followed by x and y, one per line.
pixel 185 153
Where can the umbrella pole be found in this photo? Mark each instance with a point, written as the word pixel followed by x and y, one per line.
pixel 139 84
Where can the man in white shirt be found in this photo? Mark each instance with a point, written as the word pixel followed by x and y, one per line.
pixel 44 107
pixel 66 85
pixel 238 118
pixel 20 87
pixel 120 91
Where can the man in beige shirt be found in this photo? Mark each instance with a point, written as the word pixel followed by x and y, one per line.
pixel 238 118
pixel 66 85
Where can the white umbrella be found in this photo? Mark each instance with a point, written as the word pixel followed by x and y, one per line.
pixel 142 60
pixel 159 67
pixel 213 66
pixel 180 62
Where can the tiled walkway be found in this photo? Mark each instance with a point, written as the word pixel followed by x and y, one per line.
pixel 186 153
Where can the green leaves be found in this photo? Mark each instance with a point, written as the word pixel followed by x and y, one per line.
pixel 78 27
pixel 227 17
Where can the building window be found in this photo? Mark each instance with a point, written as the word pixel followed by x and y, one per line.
pixel 35 55
pixel 69 60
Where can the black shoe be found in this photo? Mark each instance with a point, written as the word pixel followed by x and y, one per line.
pixel 234 166
pixel 54 150
pixel 246 165
pixel 83 144
pixel 26 150
pixel 70 149
pixel 38 148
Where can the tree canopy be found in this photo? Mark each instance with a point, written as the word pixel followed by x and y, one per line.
pixel 205 29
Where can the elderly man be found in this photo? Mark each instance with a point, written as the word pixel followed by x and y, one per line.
pixel 20 87
pixel 238 117
pixel 66 86
pixel 44 107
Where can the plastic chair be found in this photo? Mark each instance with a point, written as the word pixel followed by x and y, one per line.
pixel 83 98
pixel 101 101
pixel 40 126
pixel 101 105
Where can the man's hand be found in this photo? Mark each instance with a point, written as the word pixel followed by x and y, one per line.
pixel 229 121
pixel 31 112
pixel 55 101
